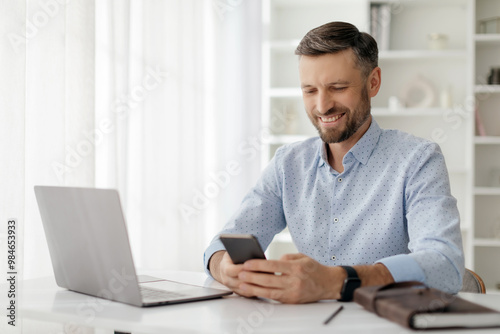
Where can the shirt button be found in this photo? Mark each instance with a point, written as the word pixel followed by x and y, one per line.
pixel 335 220
pixel 334 257
pixel 340 179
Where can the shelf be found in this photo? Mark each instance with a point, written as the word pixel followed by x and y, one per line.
pixel 420 3
pixel 285 92
pixel 486 39
pixel 487 242
pixel 487 89
pixel 487 140
pixel 493 191
pixel 305 4
pixel 422 54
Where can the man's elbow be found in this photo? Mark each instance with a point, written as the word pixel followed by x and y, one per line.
pixel 449 277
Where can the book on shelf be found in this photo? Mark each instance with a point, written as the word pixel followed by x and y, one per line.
pixel 380 24
pixel 413 305
pixel 479 123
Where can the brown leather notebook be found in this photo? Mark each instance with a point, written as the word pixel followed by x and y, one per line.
pixel 413 305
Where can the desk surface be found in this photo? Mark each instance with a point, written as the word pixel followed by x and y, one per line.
pixel 43 300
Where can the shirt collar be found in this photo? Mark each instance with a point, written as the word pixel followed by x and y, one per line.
pixel 362 150
pixel 323 156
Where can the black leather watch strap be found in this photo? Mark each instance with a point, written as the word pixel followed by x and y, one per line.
pixel 351 283
pixel 351 272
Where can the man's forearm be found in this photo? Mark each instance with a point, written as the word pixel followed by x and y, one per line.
pixel 376 274
pixel 214 265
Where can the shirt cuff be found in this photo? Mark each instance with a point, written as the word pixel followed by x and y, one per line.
pixel 215 246
pixel 404 268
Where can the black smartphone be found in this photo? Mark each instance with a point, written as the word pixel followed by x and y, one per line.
pixel 242 247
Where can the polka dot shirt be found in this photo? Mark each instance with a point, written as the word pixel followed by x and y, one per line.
pixel 391 204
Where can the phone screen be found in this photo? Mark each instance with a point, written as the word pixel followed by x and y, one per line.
pixel 242 247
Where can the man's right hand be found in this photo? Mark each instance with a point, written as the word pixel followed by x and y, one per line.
pixel 226 272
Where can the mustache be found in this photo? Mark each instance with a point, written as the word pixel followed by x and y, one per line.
pixel 334 111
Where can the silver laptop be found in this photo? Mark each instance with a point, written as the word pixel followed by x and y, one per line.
pixel 90 251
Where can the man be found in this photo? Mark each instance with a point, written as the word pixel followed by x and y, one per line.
pixel 359 200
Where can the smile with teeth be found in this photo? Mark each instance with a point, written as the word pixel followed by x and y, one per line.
pixel 331 119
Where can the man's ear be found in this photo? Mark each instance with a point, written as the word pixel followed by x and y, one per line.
pixel 374 81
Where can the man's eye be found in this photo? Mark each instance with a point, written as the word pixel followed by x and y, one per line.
pixel 310 91
pixel 339 88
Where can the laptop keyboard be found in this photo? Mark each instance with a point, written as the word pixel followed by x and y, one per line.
pixel 153 295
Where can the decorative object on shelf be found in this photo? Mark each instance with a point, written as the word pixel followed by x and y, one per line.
pixel 394 104
pixel 494 77
pixel 495 177
pixel 437 41
pixel 418 93
pixel 490 25
pixel 445 98
pixel 479 123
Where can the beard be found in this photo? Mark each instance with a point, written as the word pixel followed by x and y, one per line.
pixel 354 120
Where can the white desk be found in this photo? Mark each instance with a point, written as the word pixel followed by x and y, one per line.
pixel 43 300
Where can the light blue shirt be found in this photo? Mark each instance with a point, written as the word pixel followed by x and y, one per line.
pixel 391 204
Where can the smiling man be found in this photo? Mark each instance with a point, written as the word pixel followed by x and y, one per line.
pixel 364 206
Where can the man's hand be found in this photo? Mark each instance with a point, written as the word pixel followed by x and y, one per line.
pixel 295 278
pixel 226 272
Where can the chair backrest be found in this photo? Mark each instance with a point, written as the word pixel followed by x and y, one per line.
pixel 472 282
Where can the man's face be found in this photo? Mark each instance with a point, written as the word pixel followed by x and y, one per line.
pixel 335 95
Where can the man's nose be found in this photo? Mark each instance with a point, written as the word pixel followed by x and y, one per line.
pixel 324 103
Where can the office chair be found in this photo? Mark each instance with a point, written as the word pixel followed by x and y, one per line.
pixel 472 282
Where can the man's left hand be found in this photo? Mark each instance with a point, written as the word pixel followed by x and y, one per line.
pixel 294 279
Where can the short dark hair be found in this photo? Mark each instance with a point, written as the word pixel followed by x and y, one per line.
pixel 334 37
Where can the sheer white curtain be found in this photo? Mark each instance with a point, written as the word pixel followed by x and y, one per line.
pixel 46 106
pixel 154 98
pixel 182 79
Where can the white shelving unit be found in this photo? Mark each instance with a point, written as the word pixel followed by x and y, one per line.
pixel 456 77
pixel 486 194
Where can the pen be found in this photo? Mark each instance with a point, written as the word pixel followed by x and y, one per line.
pixel 333 315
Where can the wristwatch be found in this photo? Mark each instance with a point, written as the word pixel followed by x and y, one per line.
pixel 351 283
